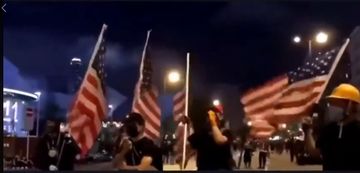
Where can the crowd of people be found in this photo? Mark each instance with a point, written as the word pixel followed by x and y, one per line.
pixel 214 144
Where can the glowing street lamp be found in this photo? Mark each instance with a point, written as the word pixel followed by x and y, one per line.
pixel 321 37
pixel 174 77
pixel 216 102
pixel 297 39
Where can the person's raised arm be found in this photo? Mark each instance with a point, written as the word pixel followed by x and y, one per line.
pixel 217 134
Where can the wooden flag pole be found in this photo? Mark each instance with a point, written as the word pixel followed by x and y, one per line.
pixel 333 67
pixel 186 110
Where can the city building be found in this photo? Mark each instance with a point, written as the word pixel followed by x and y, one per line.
pixel 76 74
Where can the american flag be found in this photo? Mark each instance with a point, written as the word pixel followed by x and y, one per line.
pixel 90 106
pixel 146 96
pixel 179 111
pixel 290 96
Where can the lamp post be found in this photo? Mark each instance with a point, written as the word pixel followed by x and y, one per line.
pixel 38 93
pixel 320 38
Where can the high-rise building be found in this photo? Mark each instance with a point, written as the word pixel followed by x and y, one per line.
pixel 76 74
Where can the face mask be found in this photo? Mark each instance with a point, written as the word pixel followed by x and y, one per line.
pixel 132 130
pixel 334 114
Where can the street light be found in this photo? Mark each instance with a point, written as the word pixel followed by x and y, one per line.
pixel 297 39
pixel 216 102
pixel 38 93
pixel 321 37
pixel 174 77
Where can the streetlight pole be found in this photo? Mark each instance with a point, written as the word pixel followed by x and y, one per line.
pixel 321 38
pixel 310 48
pixel 38 93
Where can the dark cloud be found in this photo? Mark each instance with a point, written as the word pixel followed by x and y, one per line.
pixel 237 13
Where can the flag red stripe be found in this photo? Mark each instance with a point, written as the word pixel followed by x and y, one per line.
pixel 94 99
pixel 92 80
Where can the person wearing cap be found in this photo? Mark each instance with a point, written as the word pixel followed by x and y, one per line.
pixel 213 143
pixel 338 140
pixel 137 152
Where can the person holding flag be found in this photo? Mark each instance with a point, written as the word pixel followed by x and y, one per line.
pixel 213 143
pixel 339 139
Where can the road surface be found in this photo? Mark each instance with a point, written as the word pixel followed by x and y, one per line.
pixel 277 163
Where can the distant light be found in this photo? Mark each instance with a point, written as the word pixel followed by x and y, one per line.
pixel 283 126
pixel 216 102
pixel 249 123
pixel 76 59
pixel 288 131
pixel 347 76
pixel 300 129
pixel 297 39
pixel 321 37
pixel 110 106
pixel 315 115
pixel 173 136
pixel 174 77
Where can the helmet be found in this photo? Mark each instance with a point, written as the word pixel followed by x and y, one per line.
pixel 346 92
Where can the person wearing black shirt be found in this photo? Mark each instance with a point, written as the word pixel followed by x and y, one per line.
pixel 137 152
pixel 339 140
pixel 213 144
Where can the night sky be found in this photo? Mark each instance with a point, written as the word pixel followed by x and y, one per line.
pixel 238 43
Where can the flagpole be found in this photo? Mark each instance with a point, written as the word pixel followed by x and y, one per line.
pixel 142 64
pixel 186 109
pixel 333 67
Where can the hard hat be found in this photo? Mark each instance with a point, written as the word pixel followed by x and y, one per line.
pixel 346 92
